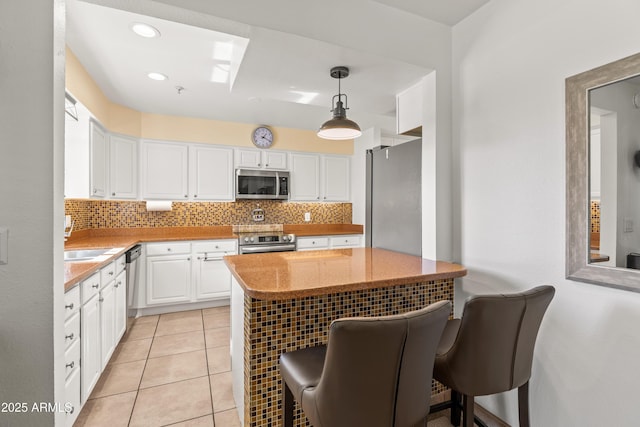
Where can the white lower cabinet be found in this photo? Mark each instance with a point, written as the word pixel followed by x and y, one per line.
pixel 107 324
pixel 186 272
pixel 90 336
pixel 120 302
pixel 329 242
pixel 72 354
pixel 168 270
pixel 211 276
pixel 101 324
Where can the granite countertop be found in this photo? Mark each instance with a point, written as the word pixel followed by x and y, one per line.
pixel 287 275
pixel 121 239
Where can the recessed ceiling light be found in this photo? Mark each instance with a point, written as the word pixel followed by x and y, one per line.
pixel 145 30
pixel 157 76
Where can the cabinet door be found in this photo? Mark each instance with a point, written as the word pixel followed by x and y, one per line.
pixel 248 158
pixel 120 311
pixel 211 173
pixel 123 161
pixel 90 340
pixel 164 171
pixel 107 324
pixel 212 277
pixel 274 159
pixel 98 153
pixel 168 279
pixel 76 154
pixel 312 243
pixel 336 178
pixel 305 183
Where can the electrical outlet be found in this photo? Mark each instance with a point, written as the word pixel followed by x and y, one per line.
pixel 307 216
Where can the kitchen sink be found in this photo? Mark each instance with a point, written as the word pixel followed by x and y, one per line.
pixel 84 254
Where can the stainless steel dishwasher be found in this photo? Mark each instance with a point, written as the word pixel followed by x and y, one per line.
pixel 131 268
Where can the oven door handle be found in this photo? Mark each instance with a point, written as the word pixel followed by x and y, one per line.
pixel 262 249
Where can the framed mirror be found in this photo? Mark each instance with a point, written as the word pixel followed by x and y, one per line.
pixel 603 175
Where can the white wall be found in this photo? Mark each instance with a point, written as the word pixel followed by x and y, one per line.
pixel 31 182
pixel 510 60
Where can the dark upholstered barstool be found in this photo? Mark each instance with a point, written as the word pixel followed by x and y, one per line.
pixel 490 350
pixel 374 371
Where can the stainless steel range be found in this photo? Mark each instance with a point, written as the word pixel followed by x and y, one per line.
pixel 271 241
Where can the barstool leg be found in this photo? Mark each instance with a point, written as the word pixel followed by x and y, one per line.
pixel 467 410
pixel 287 406
pixel 455 408
pixel 523 404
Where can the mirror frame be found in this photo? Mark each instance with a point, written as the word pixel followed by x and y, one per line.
pixel 577 176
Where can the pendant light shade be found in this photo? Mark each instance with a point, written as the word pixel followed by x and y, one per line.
pixel 339 127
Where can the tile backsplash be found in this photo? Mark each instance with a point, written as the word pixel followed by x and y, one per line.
pixel 89 213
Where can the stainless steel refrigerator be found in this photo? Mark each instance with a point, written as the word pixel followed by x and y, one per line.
pixel 393 200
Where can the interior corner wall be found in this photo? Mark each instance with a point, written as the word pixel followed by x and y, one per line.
pixel 510 62
pixel 31 181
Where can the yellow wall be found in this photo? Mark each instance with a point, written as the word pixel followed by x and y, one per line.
pixel 120 119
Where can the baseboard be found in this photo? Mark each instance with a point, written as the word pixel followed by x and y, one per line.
pixel 489 419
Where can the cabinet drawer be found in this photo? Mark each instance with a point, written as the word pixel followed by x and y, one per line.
pixel 313 242
pixel 120 264
pixel 168 248
pixel 349 241
pixel 72 358
pixel 217 246
pixel 72 396
pixel 90 287
pixel 107 273
pixel 71 302
pixel 71 330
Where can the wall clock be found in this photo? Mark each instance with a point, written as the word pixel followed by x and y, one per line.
pixel 262 137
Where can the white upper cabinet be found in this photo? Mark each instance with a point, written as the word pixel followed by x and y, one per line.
pixel 409 110
pixel 335 178
pixel 261 159
pixel 98 149
pixel 323 178
pixel 164 170
pixel 123 161
pixel 211 173
pixel 305 177
pixel 85 156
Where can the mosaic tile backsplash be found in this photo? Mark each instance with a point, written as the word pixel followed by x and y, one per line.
pixel 274 327
pixel 595 216
pixel 88 214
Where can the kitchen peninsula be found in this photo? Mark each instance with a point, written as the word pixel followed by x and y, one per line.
pixel 285 301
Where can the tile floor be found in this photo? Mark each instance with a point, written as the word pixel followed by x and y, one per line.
pixel 172 369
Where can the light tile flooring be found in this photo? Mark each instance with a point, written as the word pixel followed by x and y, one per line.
pixel 172 369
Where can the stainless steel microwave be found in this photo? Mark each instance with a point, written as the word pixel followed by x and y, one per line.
pixel 262 184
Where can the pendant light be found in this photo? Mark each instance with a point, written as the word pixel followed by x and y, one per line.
pixel 339 127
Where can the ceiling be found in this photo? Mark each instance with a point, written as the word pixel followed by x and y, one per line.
pixel 281 79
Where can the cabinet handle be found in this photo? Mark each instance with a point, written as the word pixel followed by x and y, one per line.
pixel 118 284
pixel 267 165
pixel 195 195
pixel 100 299
pixel 325 197
pixel 69 337
pixel 71 411
pixel 113 194
pixel 111 273
pixel 70 365
pixel 186 196
pixel 168 249
pixel 95 190
pixel 318 198
pixel 259 164
pixel 96 286
pixel 189 259
pixel 69 306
